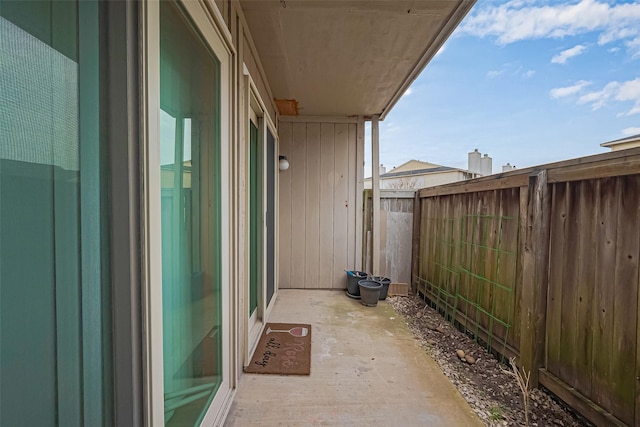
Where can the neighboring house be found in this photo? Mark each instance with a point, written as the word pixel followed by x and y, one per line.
pixel 145 228
pixel 623 143
pixel 415 174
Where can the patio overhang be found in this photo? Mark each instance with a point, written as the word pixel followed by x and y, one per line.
pixel 348 58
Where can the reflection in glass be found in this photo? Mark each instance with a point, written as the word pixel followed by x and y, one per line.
pixel 190 161
pixel 54 304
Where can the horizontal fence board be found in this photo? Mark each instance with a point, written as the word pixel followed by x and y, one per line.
pixel 573 398
pixel 627 165
pixel 481 184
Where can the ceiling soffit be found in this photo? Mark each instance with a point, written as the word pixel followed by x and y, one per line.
pixel 348 57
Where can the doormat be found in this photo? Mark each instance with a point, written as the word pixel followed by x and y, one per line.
pixel 283 349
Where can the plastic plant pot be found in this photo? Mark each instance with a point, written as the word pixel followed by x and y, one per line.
pixel 385 281
pixel 369 292
pixel 353 277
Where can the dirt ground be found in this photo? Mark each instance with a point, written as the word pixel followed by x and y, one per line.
pixel 490 387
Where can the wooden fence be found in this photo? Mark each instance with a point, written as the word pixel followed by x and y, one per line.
pixel 396 227
pixel 541 264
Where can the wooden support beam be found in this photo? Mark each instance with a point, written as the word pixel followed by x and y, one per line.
pixel 375 178
pixel 359 193
pixel 535 276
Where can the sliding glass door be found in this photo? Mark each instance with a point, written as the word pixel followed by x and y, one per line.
pixel 54 295
pixel 190 173
pixel 255 222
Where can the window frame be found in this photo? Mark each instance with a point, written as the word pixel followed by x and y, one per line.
pixel 207 21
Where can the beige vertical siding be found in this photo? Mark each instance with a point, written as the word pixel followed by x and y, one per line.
pixel 340 201
pixel 298 172
pixel 285 211
pixel 317 226
pixel 327 185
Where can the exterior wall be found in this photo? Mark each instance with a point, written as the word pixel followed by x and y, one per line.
pixel 624 145
pixel 422 181
pixel 318 201
pixel 419 181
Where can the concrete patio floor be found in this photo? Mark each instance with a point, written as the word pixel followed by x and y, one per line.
pixel 366 370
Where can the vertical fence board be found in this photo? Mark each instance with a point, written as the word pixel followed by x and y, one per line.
pixel 557 233
pixel 415 244
pixel 506 266
pixel 535 276
pixel 522 229
pixel 585 284
pixel 607 213
pixel 459 207
pixel 568 315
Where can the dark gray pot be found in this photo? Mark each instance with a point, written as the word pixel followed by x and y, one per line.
pixel 353 277
pixel 385 286
pixel 369 292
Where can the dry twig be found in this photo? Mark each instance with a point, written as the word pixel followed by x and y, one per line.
pixel 522 378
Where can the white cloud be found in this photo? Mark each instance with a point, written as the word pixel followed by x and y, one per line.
pixel 634 47
pixel 511 69
pixel 525 20
pixel 562 57
pixel 630 131
pixel 561 92
pixel 628 91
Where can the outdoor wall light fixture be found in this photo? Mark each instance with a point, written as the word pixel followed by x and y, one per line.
pixel 283 163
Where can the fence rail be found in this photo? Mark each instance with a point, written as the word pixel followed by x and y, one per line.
pixel 542 264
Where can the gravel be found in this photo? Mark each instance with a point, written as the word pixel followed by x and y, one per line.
pixel 489 386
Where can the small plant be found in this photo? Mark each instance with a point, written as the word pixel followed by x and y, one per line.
pixel 495 413
pixel 522 378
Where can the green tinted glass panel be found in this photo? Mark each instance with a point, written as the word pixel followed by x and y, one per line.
pixel 54 305
pixel 271 223
pixel 254 217
pixel 190 185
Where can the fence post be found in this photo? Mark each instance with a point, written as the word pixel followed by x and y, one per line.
pixel 415 247
pixel 535 276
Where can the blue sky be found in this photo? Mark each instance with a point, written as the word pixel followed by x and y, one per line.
pixel 528 82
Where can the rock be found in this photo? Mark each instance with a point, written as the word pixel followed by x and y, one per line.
pixel 558 422
pixel 469 359
pixel 460 354
pixel 432 326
